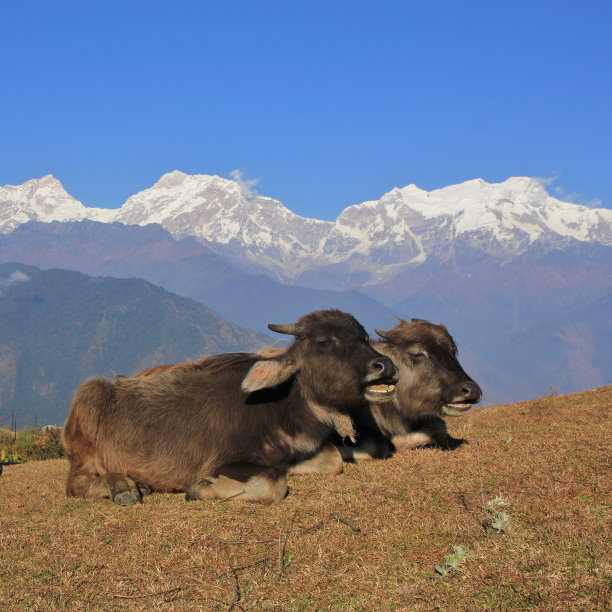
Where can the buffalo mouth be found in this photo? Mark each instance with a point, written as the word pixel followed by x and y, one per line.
pixel 379 392
pixel 456 409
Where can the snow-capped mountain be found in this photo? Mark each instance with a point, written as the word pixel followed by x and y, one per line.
pixel 42 199
pixel 407 226
pixel 224 214
pixel 516 212
pixel 373 240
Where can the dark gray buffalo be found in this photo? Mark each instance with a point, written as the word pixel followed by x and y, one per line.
pixel 226 426
pixel 432 385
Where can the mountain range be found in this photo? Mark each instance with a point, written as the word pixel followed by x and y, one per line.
pixel 522 279
pixel 368 243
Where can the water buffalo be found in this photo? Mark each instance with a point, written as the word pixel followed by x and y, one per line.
pixel 432 385
pixel 229 425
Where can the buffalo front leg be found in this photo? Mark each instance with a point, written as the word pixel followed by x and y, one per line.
pixel 368 447
pixel 327 461
pixel 245 481
pixel 85 481
pixel 425 433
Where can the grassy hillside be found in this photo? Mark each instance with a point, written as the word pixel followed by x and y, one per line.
pixel 58 328
pixel 518 519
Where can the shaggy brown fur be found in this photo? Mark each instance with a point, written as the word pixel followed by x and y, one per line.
pixel 224 426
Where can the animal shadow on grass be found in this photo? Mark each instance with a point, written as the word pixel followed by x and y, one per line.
pixel 450 444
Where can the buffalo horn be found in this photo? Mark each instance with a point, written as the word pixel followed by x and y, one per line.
pixel 291 329
pixel 382 334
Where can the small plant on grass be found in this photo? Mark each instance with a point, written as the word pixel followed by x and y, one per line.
pixel 9 457
pixel 453 561
pixel 501 521
pixel 497 503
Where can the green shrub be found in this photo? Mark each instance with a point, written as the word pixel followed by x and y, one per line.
pixel 30 444
pixel 48 445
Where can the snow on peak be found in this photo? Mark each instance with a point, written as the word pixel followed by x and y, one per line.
pixel 519 205
pixel 43 199
pixel 47 185
pixel 171 179
pixel 193 198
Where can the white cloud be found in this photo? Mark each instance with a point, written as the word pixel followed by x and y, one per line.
pixel 594 203
pixel 561 192
pixel 545 181
pixel 15 277
pixel 576 198
pixel 245 186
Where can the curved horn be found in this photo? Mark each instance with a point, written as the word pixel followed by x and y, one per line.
pixel 290 329
pixel 382 334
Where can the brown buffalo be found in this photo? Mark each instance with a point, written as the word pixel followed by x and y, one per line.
pixel 225 426
pixel 432 385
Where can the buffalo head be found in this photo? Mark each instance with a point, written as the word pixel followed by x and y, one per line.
pixel 432 380
pixel 332 359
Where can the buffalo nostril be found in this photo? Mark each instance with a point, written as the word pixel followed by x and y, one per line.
pixel 379 366
pixel 382 367
pixel 385 368
pixel 471 391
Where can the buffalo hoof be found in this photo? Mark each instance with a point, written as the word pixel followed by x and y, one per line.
pixel 144 489
pixel 192 491
pixel 128 498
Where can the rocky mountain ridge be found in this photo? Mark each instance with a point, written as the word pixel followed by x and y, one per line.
pixel 369 242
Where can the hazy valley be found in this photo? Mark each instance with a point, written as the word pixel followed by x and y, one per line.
pixel 59 327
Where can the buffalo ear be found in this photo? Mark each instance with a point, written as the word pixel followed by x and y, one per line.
pixel 268 373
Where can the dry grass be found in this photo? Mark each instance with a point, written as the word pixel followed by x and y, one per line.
pixel 369 539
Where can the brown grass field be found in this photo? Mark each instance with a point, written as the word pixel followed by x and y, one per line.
pixel 529 499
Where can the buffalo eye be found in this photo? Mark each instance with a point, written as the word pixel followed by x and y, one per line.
pixel 417 356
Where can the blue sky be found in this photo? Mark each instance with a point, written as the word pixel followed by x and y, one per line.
pixel 325 104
